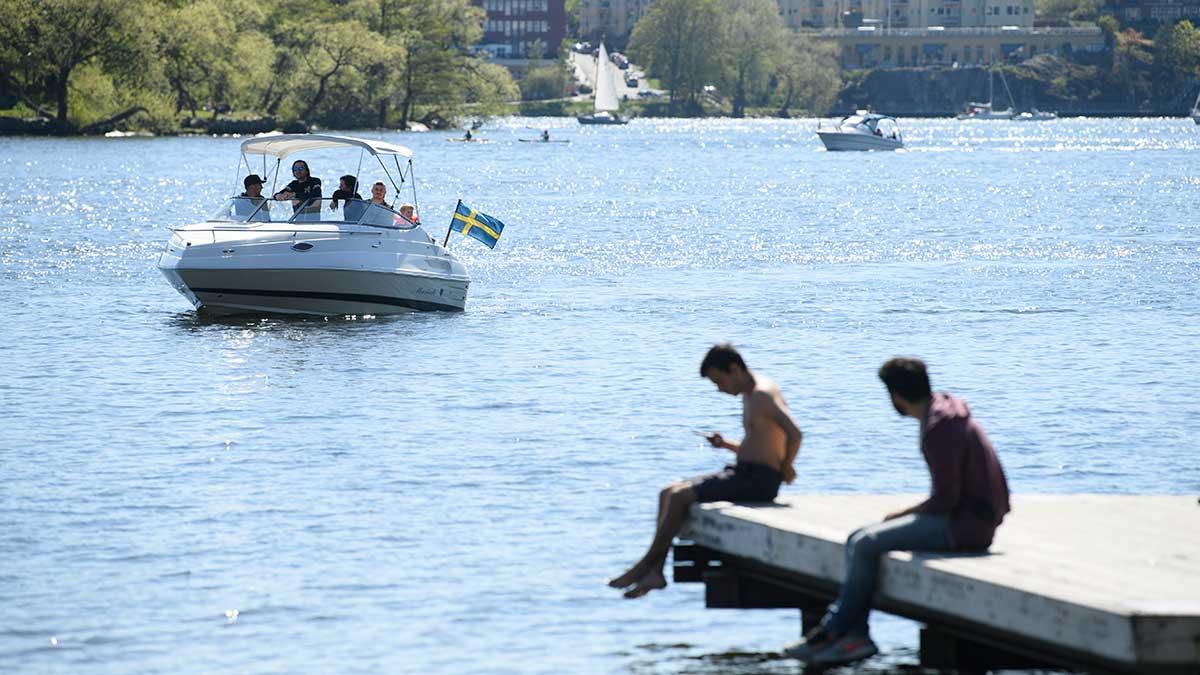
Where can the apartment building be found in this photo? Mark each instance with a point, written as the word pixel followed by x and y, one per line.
pixel 523 29
pixel 1158 11
pixel 612 20
pixel 886 14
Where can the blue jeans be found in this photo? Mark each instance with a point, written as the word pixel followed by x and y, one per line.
pixel 914 532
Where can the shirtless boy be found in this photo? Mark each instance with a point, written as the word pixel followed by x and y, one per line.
pixel 764 460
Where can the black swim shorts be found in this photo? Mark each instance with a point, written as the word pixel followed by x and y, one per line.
pixel 744 482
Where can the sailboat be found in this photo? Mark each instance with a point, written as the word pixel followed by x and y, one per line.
pixel 985 111
pixel 606 102
pixel 1196 109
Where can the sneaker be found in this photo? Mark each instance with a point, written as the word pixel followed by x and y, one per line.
pixel 846 649
pixel 816 640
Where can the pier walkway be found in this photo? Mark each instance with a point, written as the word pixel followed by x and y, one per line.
pixel 1104 583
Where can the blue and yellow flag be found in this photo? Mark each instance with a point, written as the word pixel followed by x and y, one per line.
pixel 476 225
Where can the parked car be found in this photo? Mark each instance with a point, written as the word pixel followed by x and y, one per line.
pixel 630 80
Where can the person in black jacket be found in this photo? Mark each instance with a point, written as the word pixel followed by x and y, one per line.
pixel 304 191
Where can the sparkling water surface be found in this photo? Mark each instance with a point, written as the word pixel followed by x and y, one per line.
pixel 448 492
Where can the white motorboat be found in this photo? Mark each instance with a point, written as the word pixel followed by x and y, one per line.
pixel 863 131
pixel 261 255
pixel 605 102
pixel 1036 115
pixel 987 111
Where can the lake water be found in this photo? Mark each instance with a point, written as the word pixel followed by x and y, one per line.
pixel 449 492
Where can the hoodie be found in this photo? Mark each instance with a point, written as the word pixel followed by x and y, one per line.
pixel 968 481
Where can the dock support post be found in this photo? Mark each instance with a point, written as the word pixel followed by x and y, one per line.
pixel 945 651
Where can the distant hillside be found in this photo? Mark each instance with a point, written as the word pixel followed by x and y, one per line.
pixel 1045 82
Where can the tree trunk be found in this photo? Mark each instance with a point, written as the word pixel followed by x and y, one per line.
pixel 60 95
pixel 739 96
pixel 406 104
pixel 102 125
pixel 320 95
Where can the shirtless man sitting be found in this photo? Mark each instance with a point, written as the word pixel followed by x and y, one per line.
pixel 764 460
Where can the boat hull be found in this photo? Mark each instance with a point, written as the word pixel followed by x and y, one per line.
pixel 838 141
pixel 315 292
pixel 589 119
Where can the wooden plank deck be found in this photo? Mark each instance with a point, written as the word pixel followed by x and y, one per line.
pixel 1111 581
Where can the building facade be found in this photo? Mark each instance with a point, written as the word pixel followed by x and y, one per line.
pixel 523 29
pixel 961 47
pixel 611 20
pixel 886 14
pixel 1158 11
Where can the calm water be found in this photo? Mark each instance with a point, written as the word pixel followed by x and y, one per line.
pixel 434 492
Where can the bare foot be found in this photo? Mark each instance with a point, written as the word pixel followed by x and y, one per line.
pixel 651 582
pixel 633 574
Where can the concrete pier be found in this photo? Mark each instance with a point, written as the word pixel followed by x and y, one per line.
pixel 1096 582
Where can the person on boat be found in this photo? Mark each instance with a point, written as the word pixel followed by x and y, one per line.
pixel 467 136
pixel 545 135
pixel 764 461
pixel 304 190
pixel 347 190
pixel 251 204
pixel 968 501
pixel 379 193
pixel 409 212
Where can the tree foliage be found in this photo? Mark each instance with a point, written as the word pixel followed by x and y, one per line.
pixel 1176 60
pixel 741 47
pixel 332 62
pixel 679 42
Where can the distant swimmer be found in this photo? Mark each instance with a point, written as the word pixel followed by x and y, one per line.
pixel 545 135
pixel 764 460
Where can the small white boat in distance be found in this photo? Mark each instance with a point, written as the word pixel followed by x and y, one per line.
pixel 260 255
pixel 1196 110
pixel 863 131
pixel 1036 115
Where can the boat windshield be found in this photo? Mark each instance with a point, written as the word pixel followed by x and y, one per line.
pixel 252 211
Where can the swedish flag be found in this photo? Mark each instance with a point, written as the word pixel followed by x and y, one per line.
pixel 476 225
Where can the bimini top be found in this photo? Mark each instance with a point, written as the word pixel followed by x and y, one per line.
pixel 282 145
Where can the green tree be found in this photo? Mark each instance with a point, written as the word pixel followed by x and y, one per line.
pixel 194 42
pixel 1067 9
pixel 807 75
pixel 753 35
pixel 44 42
pixel 677 41
pixel 1176 58
pixel 545 82
pixel 332 56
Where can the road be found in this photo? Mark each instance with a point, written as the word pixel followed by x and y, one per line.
pixel 585 71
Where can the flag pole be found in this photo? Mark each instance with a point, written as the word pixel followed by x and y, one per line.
pixel 446 242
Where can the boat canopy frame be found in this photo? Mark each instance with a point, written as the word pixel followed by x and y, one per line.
pixel 280 146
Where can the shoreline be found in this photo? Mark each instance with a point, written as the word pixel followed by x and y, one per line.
pixel 32 130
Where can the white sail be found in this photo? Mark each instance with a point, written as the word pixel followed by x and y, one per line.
pixel 606 85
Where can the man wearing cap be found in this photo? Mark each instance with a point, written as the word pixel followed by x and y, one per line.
pixel 251 205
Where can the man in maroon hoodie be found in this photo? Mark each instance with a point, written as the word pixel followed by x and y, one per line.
pixel 969 499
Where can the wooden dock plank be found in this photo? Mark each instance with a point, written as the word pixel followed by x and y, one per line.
pixel 1113 576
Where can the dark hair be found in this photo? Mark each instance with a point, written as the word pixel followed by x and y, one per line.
pixel 351 181
pixel 380 184
pixel 720 357
pixel 907 378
